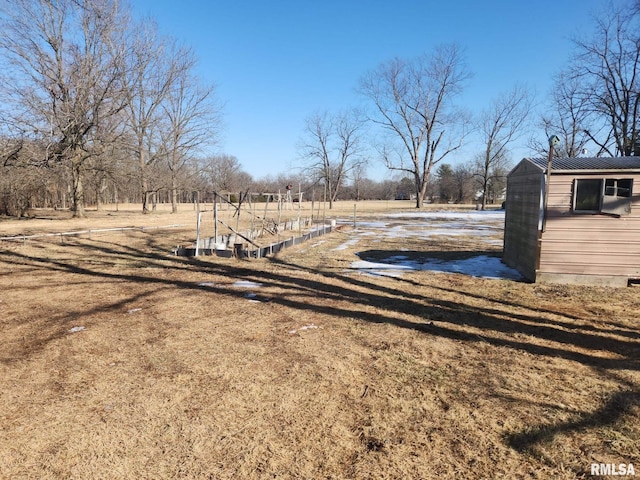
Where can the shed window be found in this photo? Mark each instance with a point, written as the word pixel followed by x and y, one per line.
pixel 587 195
pixel 618 187
pixel 610 195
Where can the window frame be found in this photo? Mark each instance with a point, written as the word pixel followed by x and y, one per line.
pixel 574 203
pixel 615 195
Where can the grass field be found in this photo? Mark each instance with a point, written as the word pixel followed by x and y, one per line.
pixel 121 361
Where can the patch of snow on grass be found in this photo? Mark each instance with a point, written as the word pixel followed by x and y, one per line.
pixel 444 223
pixel 246 284
pixel 346 244
pixel 477 215
pixel 380 269
pixel 480 266
pixel 304 327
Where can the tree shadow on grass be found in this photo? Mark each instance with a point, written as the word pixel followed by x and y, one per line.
pixel 615 408
pixel 441 317
pixel 340 295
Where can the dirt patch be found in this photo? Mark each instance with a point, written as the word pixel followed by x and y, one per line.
pixel 299 366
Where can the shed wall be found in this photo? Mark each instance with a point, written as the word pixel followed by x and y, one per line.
pixel 584 244
pixel 525 191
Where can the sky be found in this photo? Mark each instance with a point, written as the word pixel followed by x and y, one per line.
pixel 275 63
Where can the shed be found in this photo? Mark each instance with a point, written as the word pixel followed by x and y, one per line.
pixel 589 230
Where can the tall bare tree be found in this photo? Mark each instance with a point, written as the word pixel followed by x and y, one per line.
pixel 65 76
pixel 359 178
pixel 501 124
pixel 607 70
pixel 153 69
pixel 568 117
pixel 192 120
pixel 414 101
pixel 332 147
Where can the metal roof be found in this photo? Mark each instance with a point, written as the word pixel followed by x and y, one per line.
pixel 588 163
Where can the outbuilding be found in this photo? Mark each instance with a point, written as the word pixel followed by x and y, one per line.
pixel 584 230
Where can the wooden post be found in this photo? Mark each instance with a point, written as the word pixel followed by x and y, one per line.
pixel 354 215
pixel 324 205
pixel 238 214
pixel 197 233
pixel 279 214
pixel 215 217
pixel 299 209
pixel 266 206
pixel 253 217
pixel 553 140
pixel 313 200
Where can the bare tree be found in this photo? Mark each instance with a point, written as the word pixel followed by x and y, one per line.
pixel 359 178
pixel 607 70
pixel 463 180
pixel 65 76
pixel 332 148
pixel 414 102
pixel 568 117
pixel 222 173
pixel 192 120
pixel 489 183
pixel 103 169
pixel 500 125
pixel 153 68
pixel 10 150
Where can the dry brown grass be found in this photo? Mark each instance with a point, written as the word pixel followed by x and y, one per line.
pixel 177 374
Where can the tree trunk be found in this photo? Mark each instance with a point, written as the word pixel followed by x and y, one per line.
pixel 174 193
pixel 100 194
pixel 145 198
pixel 77 205
pixel 328 192
pixel 144 182
pixel 483 199
pixel 485 182
pixel 421 190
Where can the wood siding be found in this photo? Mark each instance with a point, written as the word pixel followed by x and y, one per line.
pixel 589 243
pixel 522 217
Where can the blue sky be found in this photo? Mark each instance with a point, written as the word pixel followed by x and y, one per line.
pixel 277 62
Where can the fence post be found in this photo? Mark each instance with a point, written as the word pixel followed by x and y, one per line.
pixel 354 215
